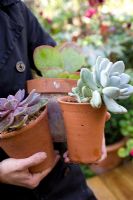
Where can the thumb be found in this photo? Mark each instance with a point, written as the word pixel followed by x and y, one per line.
pixel 108 116
pixel 33 160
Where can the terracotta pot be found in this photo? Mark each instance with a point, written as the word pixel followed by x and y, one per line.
pixel 52 88
pixel 32 138
pixel 84 129
pixel 112 160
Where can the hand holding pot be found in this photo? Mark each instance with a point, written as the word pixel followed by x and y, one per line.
pixel 16 171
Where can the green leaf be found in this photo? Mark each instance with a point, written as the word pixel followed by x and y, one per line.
pixel 122 152
pixel 46 57
pixel 52 73
pixel 129 144
pixel 73 60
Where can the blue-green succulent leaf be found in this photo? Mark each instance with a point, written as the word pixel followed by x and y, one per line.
pixel 96 100
pixel 87 78
pixel 113 106
pixel 112 92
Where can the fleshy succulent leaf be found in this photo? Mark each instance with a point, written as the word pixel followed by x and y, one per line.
pixel 104 63
pixel 129 90
pixel 87 78
pixel 4 113
pixel 35 99
pixel 10 97
pixel 75 61
pixel 19 122
pixel 112 106
pixel 11 104
pixel 104 75
pixel 124 78
pixel 80 84
pixel 96 100
pixel 118 67
pixel 55 61
pixel 20 111
pixel 98 62
pixel 86 91
pixel 6 122
pixel 47 57
pixel 123 97
pixel 115 81
pixel 96 69
pixel 31 110
pixel 20 95
pixel 112 92
pixel 52 73
pixel 28 99
pixel 3 101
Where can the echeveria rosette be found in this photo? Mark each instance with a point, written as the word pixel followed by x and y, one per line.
pixel 15 110
pixel 106 83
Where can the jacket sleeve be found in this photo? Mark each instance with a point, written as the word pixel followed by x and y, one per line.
pixel 36 35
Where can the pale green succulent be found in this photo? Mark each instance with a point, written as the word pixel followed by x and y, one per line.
pixel 60 61
pixel 106 83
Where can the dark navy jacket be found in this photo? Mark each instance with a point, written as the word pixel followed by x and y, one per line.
pixel 20 33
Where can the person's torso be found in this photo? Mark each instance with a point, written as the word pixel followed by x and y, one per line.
pixel 14 61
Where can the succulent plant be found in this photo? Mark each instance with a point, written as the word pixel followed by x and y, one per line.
pixel 106 83
pixel 58 61
pixel 15 110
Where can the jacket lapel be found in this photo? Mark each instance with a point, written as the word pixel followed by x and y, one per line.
pixel 10 30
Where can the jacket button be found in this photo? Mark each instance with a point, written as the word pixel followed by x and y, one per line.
pixel 20 66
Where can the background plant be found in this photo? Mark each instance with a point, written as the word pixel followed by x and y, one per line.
pixel 59 62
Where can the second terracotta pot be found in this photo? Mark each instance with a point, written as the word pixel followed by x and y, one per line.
pixel 52 88
pixel 84 130
pixel 34 137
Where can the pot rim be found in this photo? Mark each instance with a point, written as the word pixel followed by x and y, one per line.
pixel 51 85
pixel 63 98
pixel 6 135
pixel 116 145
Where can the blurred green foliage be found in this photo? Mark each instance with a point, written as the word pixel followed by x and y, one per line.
pixel 88 173
pixel 121 125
